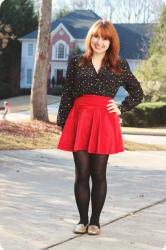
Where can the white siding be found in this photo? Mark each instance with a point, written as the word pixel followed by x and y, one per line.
pixel 29 77
pixel 27 61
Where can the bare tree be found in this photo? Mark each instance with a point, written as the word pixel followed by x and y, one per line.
pixel 134 11
pixel 106 9
pixel 81 4
pixel 86 4
pixel 40 77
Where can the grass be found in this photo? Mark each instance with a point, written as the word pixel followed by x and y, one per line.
pixel 42 135
pixel 11 142
pixel 27 135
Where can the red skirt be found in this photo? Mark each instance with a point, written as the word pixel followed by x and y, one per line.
pixel 89 126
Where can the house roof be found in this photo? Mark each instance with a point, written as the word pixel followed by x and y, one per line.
pixel 134 37
pixel 77 22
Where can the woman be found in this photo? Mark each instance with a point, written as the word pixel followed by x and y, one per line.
pixel 89 118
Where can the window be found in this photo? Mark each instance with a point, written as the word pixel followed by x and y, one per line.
pixel 29 76
pixel 60 50
pixel 30 49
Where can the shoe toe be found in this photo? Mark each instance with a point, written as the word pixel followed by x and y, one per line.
pixel 93 229
pixel 80 228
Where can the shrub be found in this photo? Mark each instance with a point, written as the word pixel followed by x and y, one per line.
pixel 25 91
pixel 4 90
pixel 145 115
pixel 57 90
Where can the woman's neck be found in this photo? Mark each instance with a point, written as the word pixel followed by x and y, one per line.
pixel 98 57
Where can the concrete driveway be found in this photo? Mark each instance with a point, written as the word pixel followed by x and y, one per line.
pixel 38 209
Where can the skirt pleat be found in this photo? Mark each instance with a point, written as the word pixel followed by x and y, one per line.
pixel 89 126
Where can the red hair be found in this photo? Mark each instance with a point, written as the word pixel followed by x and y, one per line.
pixel 106 30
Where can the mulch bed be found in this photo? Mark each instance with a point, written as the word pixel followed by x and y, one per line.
pixel 26 129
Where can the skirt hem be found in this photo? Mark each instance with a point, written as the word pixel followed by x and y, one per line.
pixel 90 151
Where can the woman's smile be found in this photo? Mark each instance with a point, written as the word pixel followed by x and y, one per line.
pixel 99 46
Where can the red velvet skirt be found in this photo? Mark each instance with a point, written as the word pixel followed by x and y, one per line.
pixel 89 126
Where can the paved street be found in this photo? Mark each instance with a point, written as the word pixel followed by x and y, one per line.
pixel 148 139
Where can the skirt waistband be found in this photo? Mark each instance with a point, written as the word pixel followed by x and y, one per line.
pixel 90 99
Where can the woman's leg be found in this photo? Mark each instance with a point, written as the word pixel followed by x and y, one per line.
pixel 81 186
pixel 99 185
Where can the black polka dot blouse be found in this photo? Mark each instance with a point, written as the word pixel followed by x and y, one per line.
pixel 85 80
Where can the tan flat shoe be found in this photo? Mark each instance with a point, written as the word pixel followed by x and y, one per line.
pixel 80 229
pixel 93 230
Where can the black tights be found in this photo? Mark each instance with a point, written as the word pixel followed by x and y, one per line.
pixel 87 165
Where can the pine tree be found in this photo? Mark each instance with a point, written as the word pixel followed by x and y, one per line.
pixel 20 15
pixel 10 51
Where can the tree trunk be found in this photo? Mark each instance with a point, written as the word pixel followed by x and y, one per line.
pixel 38 101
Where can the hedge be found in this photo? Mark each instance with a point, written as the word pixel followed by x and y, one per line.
pixel 57 90
pixel 145 115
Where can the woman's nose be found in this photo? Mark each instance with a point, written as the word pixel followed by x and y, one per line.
pixel 100 39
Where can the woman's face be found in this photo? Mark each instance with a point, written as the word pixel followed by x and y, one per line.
pixel 99 44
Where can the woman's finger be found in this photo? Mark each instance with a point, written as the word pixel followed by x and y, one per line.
pixel 112 107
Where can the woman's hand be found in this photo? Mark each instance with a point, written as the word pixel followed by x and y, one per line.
pixel 112 107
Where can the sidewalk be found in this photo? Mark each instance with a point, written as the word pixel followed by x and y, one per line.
pixel 38 209
pixel 25 115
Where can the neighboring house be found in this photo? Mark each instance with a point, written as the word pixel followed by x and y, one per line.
pixel 68 33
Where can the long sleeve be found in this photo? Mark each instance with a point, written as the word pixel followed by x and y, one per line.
pixel 67 98
pixel 133 87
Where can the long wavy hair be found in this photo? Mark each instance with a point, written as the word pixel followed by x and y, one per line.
pixel 106 30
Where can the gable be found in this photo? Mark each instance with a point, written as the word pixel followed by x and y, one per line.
pixel 61 33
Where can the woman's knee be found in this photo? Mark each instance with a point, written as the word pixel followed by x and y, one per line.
pixel 82 177
pixel 98 177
